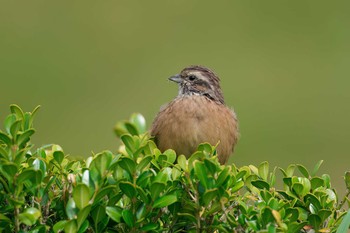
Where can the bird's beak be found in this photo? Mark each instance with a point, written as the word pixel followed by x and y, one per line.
pixel 176 78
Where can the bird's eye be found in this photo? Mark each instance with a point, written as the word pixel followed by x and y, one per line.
pixel 191 77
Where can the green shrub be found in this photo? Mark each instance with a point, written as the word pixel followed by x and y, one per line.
pixel 141 189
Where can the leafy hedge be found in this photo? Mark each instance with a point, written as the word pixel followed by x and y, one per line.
pixel 141 189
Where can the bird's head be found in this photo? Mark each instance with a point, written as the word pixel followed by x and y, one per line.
pixel 199 80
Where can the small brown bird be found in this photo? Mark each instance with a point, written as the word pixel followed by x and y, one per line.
pixel 198 114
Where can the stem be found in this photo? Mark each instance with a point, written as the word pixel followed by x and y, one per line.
pixel 344 199
pixel 17 223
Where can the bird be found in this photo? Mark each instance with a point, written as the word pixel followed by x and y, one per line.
pixel 198 114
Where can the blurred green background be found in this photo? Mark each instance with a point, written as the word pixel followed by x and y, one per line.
pixel 284 67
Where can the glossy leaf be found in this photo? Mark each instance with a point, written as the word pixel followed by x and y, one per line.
pixel 139 122
pixel 9 170
pixel 10 119
pixel 5 139
pixel 81 195
pixel 264 170
pixel 59 226
pixel 128 189
pixel 114 212
pixel 316 168
pixel 303 170
pixel 102 162
pixel 144 162
pixel 165 200
pixel 315 221
pixel 16 110
pixel 58 156
pixel 181 160
pixel 128 217
pixel 209 195
pixel 260 184
pixel 156 189
pixel 345 224
pixel 201 173
pixel 30 216
pixel 128 165
pixel 71 227
pixel 71 209
pixel 82 215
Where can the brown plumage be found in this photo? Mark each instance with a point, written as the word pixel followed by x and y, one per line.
pixel 198 114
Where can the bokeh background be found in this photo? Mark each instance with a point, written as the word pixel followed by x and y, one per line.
pixel 284 67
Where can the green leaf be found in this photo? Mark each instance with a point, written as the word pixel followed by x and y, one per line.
pixel 144 162
pixel 10 119
pixel 260 184
pixel 102 162
pixel 311 199
pixel 201 173
pixel 29 216
pixel 347 180
pixel 290 170
pixel 144 179
pixel 107 190
pixel 298 188
pixel 327 180
pixel 296 227
pixel 128 218
pixel 15 127
pixel 30 176
pixel 181 160
pixel 71 209
pixel 9 170
pixel 38 164
pixel 139 122
pixel 81 196
pixel 83 227
pixel 32 115
pixel 129 143
pixel 59 226
pixel 3 153
pixel 316 168
pixel 190 217
pixel 128 189
pixel 345 224
pixel 82 215
pixel 24 137
pixel 98 214
pixel 5 139
pixel 316 182
pixel 165 200
pixel 128 165
pixel 171 156
pixel 131 128
pixel 315 221
pixel 210 166
pixel 209 195
pixel 27 121
pixel 120 129
pixel 267 216
pixel 156 188
pixel 15 109
pixel 114 212
pixel 237 186
pixel 224 174
pixel 263 170
pixel 303 170
pixel 324 214
pixel 150 227
pixel 58 156
pixel 71 227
